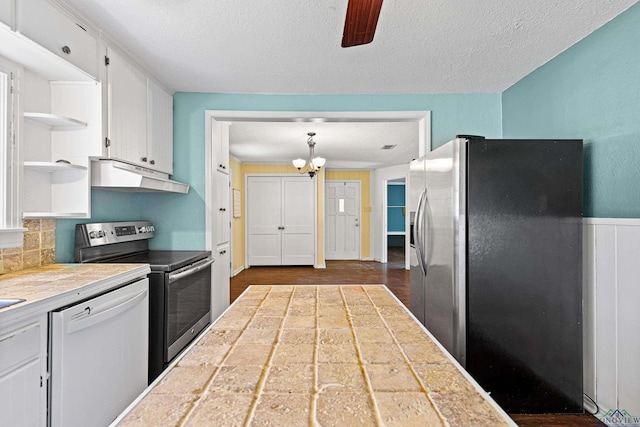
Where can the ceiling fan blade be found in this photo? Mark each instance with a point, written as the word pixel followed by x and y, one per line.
pixel 360 23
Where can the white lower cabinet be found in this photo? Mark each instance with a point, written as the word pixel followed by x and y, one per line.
pixel 221 282
pixel 23 373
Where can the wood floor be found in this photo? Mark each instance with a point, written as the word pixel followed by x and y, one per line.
pixel 392 274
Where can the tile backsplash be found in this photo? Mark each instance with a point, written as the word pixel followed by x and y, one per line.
pixel 38 247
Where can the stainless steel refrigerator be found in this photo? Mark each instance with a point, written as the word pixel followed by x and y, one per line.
pixel 496 265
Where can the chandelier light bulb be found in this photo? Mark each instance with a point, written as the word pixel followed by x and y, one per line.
pixel 299 163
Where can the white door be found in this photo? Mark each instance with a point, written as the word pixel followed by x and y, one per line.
pixel 281 220
pixel 298 219
pixel 342 217
pixel 263 220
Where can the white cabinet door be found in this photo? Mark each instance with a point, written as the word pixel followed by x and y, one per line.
pixel 22 374
pixel 126 110
pixel 222 206
pixel 6 12
pixel 159 128
pixel 222 149
pixel 281 220
pixel 56 31
pixel 221 273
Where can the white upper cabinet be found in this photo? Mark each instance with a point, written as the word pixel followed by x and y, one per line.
pixel 159 128
pixel 6 12
pixel 139 117
pixel 126 111
pixel 59 33
pixel 222 149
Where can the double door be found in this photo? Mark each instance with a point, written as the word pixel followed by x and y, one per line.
pixel 281 214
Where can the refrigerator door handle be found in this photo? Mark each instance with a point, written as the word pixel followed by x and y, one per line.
pixel 417 231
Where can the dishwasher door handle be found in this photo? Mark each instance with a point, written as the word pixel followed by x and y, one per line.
pixel 197 267
pixel 102 313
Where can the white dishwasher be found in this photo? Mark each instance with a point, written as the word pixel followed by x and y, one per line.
pixel 99 356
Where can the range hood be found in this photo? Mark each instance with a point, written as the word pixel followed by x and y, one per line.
pixel 111 174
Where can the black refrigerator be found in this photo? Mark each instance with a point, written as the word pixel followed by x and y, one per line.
pixel 496 265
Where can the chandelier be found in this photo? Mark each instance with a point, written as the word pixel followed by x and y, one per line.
pixel 314 164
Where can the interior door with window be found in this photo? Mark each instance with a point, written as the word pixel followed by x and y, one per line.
pixel 342 218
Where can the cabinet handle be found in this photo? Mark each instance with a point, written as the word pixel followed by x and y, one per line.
pixel 144 159
pixel 66 49
pixel 223 252
pixel 222 210
pixel 153 162
pixel 281 228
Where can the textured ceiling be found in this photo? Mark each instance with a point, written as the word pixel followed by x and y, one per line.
pixel 293 47
pixel 344 145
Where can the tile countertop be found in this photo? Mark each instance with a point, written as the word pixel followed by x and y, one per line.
pixel 315 355
pixel 56 285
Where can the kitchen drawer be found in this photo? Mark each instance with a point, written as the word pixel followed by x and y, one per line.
pixel 18 346
pixel 56 31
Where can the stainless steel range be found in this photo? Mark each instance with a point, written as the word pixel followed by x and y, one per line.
pixel 179 283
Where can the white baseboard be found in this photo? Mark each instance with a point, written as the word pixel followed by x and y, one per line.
pixel 320 265
pixel 238 271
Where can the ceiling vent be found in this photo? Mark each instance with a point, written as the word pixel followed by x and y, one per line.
pixel 389 147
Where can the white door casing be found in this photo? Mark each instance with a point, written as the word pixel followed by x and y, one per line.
pixel 342 218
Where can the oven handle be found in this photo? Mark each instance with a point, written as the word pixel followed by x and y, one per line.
pixel 196 267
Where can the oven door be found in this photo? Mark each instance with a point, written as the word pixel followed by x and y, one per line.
pixel 187 305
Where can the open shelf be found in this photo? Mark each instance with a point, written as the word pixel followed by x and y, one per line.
pixel 52 166
pixel 56 122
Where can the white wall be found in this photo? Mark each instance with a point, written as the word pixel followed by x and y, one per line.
pixel 612 314
pixel 378 190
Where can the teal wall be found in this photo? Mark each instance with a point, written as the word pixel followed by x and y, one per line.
pixel 180 219
pixel 590 92
pixel 395 214
pixel 105 206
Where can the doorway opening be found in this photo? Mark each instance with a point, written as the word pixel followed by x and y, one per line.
pixel 395 225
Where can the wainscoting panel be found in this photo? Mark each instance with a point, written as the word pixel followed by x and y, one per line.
pixel 612 313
